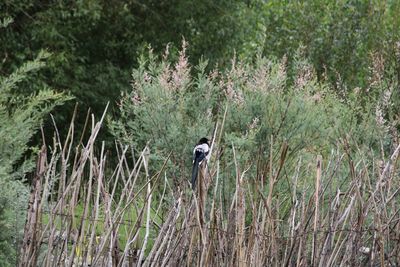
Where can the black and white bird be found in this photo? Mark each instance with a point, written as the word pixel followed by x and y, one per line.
pixel 200 152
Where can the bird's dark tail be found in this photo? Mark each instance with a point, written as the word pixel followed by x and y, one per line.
pixel 195 171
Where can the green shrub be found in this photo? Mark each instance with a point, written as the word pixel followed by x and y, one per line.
pixel 20 118
pixel 172 105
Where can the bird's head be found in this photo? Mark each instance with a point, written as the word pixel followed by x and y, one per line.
pixel 204 140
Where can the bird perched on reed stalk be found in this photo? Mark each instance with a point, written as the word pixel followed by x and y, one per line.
pixel 200 152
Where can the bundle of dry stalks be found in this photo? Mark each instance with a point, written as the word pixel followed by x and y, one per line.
pixel 337 221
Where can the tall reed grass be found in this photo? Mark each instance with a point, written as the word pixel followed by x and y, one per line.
pixel 85 212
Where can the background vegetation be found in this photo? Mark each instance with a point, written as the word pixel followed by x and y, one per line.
pixel 315 75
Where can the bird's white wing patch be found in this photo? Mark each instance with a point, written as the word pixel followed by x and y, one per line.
pixel 202 147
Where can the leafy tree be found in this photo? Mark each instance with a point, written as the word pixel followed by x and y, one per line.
pixel 95 44
pixel 20 118
pixel 338 36
pixel 170 108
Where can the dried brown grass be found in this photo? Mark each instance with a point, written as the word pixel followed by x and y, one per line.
pixel 345 221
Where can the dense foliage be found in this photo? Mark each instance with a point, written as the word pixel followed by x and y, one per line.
pixel 339 36
pixel 315 75
pixel 95 43
pixel 20 118
pixel 293 164
pixel 170 109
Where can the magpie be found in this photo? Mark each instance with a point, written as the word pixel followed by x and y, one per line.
pixel 200 152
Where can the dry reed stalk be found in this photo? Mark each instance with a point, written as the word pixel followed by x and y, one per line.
pixel 213 220
pixel 99 174
pixel 316 213
pixel 148 198
pixel 301 241
pixel 292 218
pixel 32 225
pixel 240 224
pixel 352 218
